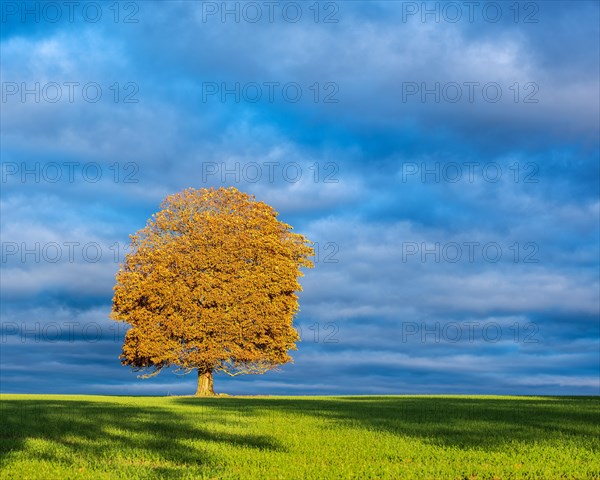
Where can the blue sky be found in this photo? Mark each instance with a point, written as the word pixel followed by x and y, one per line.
pixel 446 164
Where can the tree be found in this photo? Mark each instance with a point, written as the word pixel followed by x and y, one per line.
pixel 209 284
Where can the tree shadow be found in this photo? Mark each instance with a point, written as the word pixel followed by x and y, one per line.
pixel 468 423
pixel 161 438
pixel 93 429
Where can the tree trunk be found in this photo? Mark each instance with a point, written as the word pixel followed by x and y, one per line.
pixel 205 384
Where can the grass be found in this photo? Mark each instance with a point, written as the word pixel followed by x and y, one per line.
pixel 393 437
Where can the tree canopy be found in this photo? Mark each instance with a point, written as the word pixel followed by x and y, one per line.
pixel 210 284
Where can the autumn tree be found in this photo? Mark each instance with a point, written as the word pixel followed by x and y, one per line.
pixel 210 284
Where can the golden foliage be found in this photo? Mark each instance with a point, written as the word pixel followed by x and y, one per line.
pixel 210 284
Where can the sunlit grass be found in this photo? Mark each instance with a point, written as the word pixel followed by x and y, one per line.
pixel 395 437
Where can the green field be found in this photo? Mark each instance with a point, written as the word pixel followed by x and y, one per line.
pixel 395 437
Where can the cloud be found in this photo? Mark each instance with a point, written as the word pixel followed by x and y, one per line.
pixel 370 177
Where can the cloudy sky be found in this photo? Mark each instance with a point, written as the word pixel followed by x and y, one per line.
pixel 444 157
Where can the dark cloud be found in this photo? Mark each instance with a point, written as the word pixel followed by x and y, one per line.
pixel 373 178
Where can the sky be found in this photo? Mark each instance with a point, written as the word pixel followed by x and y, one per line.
pixel 443 156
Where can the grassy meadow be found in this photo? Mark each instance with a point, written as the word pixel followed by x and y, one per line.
pixel 370 437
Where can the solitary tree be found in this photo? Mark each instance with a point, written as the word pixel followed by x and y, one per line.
pixel 209 284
